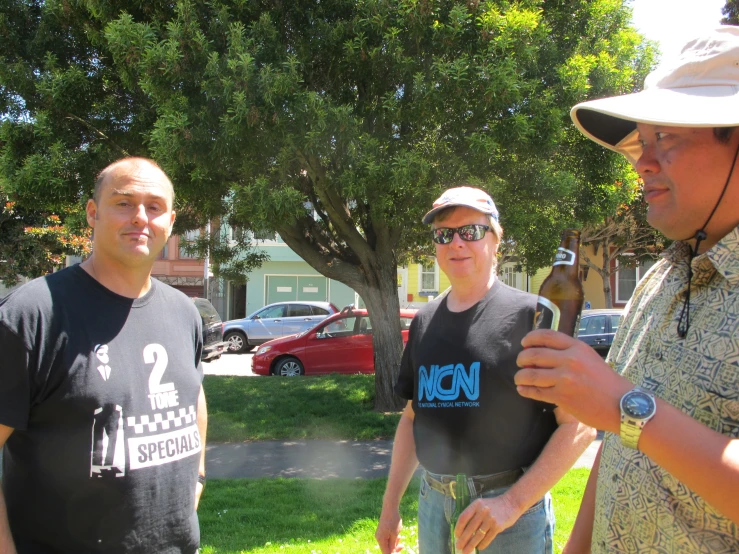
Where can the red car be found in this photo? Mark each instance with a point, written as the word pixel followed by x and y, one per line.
pixel 342 343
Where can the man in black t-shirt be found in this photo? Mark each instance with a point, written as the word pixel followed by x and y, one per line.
pixel 464 414
pixel 102 412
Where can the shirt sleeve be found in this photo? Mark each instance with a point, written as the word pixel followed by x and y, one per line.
pixel 15 386
pixel 404 386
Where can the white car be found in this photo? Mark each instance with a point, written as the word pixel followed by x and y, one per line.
pixel 274 321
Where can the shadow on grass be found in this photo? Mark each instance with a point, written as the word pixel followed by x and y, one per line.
pixel 326 407
pixel 248 514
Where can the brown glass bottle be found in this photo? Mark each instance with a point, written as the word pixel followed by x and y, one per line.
pixel 561 296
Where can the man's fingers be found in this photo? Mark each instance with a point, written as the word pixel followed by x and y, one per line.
pixel 536 393
pixel 546 338
pixel 536 377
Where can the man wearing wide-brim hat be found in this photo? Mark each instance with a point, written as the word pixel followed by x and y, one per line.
pixel 667 475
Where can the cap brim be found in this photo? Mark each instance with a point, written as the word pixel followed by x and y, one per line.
pixel 611 122
pixel 429 217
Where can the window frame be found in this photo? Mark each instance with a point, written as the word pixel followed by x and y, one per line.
pixel 421 273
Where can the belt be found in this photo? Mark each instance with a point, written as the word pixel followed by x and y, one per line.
pixel 447 483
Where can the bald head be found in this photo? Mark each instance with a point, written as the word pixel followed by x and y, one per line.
pixel 128 167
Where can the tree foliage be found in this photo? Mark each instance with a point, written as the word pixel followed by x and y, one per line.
pixel 731 13
pixel 334 123
pixel 622 239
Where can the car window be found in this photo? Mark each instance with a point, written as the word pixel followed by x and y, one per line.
pixel 595 325
pixel 340 327
pixel 405 322
pixel 317 310
pixel 299 310
pixel 206 309
pixel 365 325
pixel 273 311
pixel 615 321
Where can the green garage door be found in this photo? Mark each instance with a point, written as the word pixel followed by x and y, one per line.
pixel 284 288
pixel 313 287
pixel 281 288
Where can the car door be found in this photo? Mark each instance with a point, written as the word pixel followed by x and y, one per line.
pixel 331 349
pixel 592 331
pixel 299 318
pixel 267 324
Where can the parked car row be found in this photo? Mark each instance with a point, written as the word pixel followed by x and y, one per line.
pixel 306 338
pixel 340 344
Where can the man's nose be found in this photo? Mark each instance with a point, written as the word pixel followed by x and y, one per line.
pixel 139 215
pixel 647 162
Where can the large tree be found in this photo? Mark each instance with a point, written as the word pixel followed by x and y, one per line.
pixel 336 123
pixel 623 239
pixel 730 12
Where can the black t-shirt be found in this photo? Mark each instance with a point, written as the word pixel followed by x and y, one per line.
pixel 102 393
pixel 458 369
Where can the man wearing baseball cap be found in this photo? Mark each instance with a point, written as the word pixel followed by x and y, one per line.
pixel 667 475
pixel 464 414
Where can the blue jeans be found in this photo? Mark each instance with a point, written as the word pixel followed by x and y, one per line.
pixel 531 534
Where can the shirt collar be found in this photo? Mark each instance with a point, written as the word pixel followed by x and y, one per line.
pixel 723 256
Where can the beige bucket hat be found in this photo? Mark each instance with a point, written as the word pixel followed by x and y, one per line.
pixel 698 89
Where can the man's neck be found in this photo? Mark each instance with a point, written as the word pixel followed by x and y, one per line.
pixel 131 282
pixel 465 294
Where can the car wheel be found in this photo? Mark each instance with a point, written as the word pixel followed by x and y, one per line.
pixel 289 367
pixel 236 342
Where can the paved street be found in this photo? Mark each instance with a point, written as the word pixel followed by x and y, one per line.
pixel 231 364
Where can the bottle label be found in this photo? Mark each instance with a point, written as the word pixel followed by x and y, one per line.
pixel 547 314
pixel 564 257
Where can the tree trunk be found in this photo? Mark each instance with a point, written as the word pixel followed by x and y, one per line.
pixel 606 276
pixel 382 302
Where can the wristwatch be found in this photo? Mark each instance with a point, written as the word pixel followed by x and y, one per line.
pixel 637 407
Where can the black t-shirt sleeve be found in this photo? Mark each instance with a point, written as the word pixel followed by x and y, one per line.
pixel 15 383
pixel 404 386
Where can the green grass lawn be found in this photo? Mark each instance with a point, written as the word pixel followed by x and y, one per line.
pixel 325 407
pixel 310 516
pixel 335 516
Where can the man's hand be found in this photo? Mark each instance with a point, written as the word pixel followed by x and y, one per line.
pixel 567 372
pixel 388 530
pixel 479 524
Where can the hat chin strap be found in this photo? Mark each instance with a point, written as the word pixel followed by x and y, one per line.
pixel 700 235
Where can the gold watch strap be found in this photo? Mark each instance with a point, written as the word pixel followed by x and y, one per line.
pixel 630 432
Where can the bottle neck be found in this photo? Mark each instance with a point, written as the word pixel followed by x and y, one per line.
pixel 567 258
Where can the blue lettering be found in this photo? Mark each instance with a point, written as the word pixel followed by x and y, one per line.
pixel 470 382
pixel 452 392
pixel 431 382
pixel 426 382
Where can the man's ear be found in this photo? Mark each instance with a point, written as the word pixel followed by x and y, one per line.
pixel 171 224
pixel 92 212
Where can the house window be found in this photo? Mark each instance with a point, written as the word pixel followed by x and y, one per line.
pixel 508 276
pixel 628 277
pixel 186 239
pixel 164 254
pixel 429 277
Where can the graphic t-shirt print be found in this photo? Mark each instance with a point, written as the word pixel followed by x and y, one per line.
pixel 163 431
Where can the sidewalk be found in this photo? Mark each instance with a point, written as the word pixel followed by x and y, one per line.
pixel 313 459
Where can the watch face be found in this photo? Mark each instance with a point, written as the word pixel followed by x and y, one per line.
pixel 638 404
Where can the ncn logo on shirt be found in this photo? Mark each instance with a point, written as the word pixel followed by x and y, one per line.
pixel 449 386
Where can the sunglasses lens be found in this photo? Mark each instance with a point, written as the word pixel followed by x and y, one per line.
pixel 469 232
pixel 443 236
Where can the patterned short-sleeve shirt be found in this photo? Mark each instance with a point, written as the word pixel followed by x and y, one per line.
pixel 639 506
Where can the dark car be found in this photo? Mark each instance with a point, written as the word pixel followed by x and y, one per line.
pixel 597 328
pixel 213 343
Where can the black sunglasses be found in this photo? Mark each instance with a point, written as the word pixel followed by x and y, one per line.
pixel 469 233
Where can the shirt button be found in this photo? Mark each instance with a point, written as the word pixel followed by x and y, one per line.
pixel 614 478
pixel 658 355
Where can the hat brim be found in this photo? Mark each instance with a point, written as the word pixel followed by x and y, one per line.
pixel 611 122
pixel 429 217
